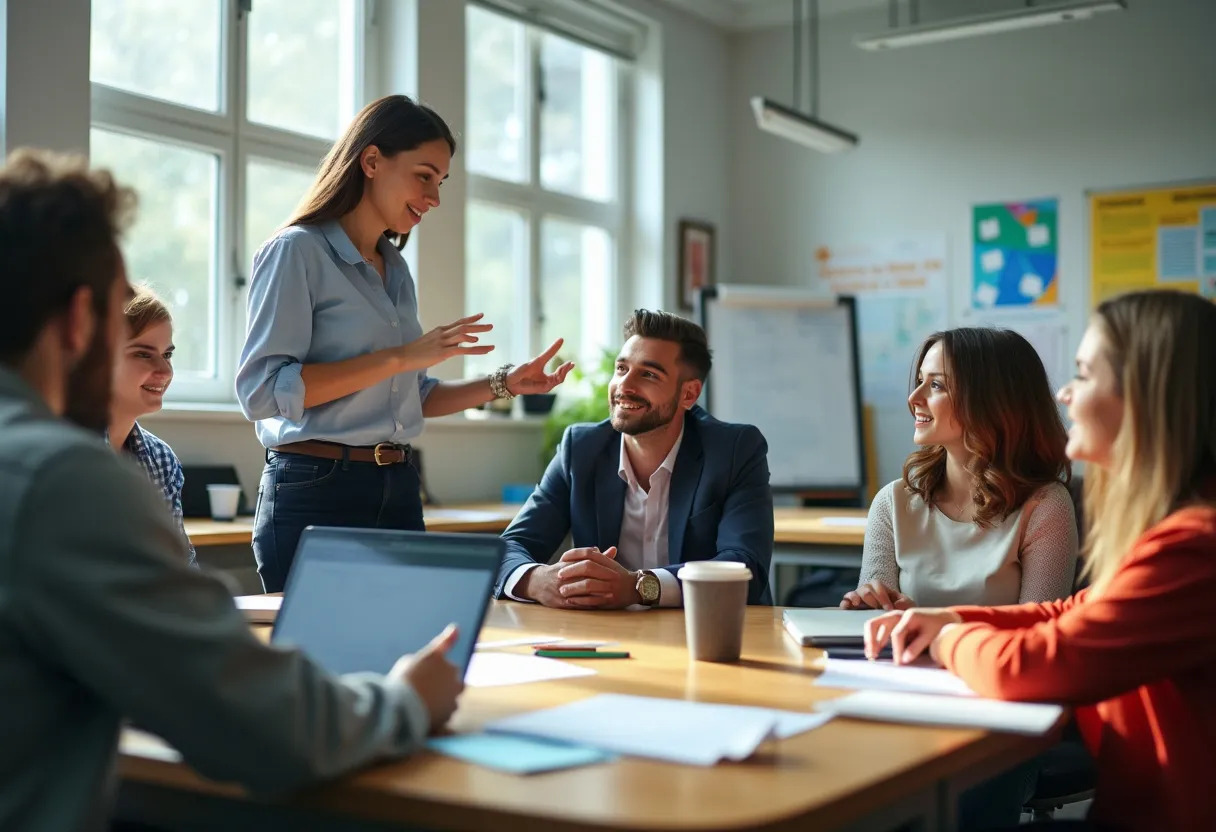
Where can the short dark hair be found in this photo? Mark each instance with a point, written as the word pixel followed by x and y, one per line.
pixel 694 346
pixel 59 229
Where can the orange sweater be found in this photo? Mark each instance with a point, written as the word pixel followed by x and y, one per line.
pixel 1139 662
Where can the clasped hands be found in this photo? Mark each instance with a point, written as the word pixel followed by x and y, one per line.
pixel 583 579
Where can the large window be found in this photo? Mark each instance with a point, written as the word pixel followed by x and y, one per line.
pixel 547 155
pixel 217 112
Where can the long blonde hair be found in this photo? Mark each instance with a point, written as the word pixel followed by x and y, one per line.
pixel 1162 348
pixel 393 124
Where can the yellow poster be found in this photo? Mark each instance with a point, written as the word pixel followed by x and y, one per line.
pixel 1159 238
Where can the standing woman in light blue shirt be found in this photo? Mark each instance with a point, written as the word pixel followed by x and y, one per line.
pixel 333 370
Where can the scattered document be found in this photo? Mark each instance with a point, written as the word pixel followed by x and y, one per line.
pixel 694 733
pixel 951 711
pixel 526 641
pixel 517 755
pixel 142 744
pixel 847 522
pixel 259 609
pixel 488 670
pixel 861 674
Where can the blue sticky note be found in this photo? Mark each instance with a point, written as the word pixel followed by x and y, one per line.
pixel 516 755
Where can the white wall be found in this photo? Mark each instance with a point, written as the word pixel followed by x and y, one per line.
pixel 1125 99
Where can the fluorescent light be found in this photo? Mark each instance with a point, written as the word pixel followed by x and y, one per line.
pixel 988 24
pixel 780 120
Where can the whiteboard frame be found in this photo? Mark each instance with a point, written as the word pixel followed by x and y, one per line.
pixel 765 295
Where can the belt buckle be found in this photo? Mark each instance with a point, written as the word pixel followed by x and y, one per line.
pixel 376 453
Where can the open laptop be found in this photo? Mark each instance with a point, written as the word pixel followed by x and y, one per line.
pixel 828 627
pixel 359 599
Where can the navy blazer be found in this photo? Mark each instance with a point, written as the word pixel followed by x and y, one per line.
pixel 720 504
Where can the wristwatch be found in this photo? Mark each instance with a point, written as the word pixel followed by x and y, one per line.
pixel 498 382
pixel 648 587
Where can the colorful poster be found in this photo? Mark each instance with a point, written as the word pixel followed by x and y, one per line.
pixel 1159 238
pixel 1015 254
pixel 901 293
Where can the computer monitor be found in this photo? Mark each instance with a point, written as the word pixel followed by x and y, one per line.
pixel 358 599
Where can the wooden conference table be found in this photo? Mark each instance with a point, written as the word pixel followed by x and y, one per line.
pixel 845 775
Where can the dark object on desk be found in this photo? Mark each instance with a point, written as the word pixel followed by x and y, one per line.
pixel 195 502
pixel 537 404
pixel 583 654
pixel 855 652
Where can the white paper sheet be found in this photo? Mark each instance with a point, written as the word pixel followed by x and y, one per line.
pixel 259 609
pixel 848 522
pixel 884 675
pixel 694 733
pixel 525 641
pixel 487 670
pixel 953 711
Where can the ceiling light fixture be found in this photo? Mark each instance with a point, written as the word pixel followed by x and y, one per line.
pixel 790 122
pixel 989 24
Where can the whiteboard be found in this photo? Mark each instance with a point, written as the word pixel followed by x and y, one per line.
pixel 786 361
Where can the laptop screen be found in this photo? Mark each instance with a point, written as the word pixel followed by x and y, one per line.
pixel 359 599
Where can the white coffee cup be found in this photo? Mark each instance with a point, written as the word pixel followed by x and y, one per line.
pixel 224 500
pixel 715 599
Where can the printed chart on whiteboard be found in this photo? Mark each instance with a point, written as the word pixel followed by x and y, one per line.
pixel 785 361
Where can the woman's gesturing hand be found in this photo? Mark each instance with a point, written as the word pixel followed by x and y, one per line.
pixel 910 632
pixel 444 342
pixel 532 378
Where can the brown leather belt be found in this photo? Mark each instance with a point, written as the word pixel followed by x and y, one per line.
pixel 386 453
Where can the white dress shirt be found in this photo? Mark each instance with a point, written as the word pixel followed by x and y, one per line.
pixel 642 543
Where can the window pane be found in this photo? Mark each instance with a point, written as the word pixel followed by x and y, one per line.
pixel 576 288
pixel 164 49
pixel 172 244
pixel 496 281
pixel 578 120
pixel 301 65
pixel 496 111
pixel 272 191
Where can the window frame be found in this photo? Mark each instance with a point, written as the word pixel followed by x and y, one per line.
pixel 233 140
pixel 538 203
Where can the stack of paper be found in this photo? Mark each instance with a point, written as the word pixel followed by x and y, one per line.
pixel 925 695
pixel 487 670
pixel 516 755
pixel 694 733
pixel 954 711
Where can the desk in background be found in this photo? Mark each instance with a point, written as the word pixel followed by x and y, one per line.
pixel 491 518
pixel 846 775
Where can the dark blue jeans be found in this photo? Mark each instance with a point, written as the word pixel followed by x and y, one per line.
pixel 298 491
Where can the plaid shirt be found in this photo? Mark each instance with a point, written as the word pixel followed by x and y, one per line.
pixel 163 468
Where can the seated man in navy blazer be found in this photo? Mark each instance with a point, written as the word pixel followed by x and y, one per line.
pixel 658 484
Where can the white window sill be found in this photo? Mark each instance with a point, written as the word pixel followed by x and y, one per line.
pixel 231 414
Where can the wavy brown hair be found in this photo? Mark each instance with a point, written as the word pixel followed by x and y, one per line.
pixel 393 124
pixel 1011 427
pixel 1162 348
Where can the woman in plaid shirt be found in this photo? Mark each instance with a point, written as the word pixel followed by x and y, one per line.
pixel 142 374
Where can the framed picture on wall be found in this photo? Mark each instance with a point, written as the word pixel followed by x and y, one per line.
pixel 696 263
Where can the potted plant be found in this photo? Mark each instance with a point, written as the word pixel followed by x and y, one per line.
pixel 583 400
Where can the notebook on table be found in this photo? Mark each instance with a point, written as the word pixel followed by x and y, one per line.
pixel 359 599
pixel 825 628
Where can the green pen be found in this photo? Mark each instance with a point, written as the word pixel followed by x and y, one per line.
pixel 583 654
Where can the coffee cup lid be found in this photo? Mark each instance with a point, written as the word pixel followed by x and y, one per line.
pixel 714 570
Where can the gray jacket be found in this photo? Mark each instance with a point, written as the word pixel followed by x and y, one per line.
pixel 101 619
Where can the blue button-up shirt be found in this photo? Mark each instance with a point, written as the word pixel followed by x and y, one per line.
pixel 314 299
pixel 165 471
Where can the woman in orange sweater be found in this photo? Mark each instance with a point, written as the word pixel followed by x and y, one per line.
pixel 1136 652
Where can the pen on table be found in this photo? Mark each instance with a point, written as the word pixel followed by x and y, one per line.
pixel 583 654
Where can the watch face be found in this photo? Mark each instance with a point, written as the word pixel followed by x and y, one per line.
pixel 649 589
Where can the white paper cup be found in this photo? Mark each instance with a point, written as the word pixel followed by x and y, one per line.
pixel 224 500
pixel 715 598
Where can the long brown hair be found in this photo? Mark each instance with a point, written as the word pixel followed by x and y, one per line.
pixel 393 124
pixel 1011 427
pixel 1162 348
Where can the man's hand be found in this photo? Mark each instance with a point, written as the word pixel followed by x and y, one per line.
pixel 541 584
pixel 435 679
pixel 591 579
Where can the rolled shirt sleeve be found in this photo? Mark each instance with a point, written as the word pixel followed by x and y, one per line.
pixel 277 340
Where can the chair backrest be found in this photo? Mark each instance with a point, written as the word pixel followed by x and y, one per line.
pixel 1075 490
